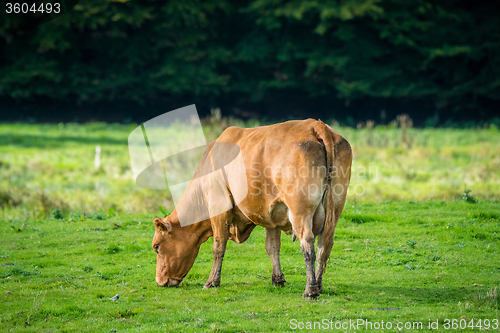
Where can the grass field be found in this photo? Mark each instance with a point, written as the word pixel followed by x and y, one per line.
pixel 47 167
pixel 410 247
pixel 430 260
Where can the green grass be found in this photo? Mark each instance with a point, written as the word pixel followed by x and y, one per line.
pixel 46 167
pixel 429 260
pixel 74 235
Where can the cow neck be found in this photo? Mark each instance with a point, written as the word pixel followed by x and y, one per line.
pixel 202 230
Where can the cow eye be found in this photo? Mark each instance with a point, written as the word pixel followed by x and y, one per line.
pixel 156 247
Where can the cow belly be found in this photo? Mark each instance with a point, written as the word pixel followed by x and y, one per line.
pixel 241 226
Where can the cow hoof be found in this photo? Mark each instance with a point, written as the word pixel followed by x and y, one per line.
pixel 279 281
pixel 309 296
pixel 210 285
pixel 311 292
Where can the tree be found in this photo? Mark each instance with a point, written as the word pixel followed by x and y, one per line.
pixel 149 50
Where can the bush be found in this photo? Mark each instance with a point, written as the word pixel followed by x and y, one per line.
pixel 57 214
pixel 96 216
pixel 466 196
pixel 112 248
pixel 411 243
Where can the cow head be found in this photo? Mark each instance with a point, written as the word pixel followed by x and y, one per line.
pixel 176 249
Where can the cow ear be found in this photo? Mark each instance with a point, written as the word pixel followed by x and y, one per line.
pixel 162 225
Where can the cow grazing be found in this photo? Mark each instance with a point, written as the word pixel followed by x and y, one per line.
pixel 297 174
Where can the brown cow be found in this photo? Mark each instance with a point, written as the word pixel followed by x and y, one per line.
pixel 284 164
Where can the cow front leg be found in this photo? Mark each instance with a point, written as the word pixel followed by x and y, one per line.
pixel 273 245
pixel 221 236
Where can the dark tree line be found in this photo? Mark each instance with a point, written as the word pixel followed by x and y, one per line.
pixel 365 53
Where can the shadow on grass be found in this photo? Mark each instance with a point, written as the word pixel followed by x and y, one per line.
pixel 394 297
pixel 42 141
pixel 365 296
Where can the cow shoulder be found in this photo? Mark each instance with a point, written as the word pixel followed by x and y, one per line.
pixel 231 134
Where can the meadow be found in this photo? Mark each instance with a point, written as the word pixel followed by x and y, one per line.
pixel 419 238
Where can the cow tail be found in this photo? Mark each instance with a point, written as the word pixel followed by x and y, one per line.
pixel 325 137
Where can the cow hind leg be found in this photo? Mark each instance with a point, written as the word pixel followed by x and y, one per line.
pixel 325 244
pixel 273 245
pixel 326 237
pixel 302 225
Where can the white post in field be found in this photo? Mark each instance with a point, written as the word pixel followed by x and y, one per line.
pixel 97 158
